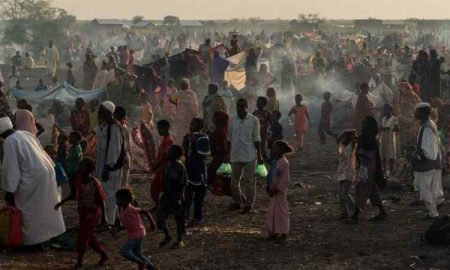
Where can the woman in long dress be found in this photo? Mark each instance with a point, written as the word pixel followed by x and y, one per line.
pixel 277 219
pixel 369 175
pixel 187 109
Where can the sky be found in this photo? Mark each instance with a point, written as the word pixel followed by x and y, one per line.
pixel 265 9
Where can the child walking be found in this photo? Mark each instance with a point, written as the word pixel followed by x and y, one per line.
pixel 301 120
pixel 75 154
pixel 130 218
pixel 196 149
pixel 346 171
pixel 272 102
pixel 277 219
pixel 61 152
pixel 172 198
pixel 163 127
pixel 91 207
pixel 263 116
pixel 325 118
pixel 276 129
pixel 60 173
pixel 388 144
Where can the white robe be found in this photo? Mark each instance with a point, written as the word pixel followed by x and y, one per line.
pixel 430 183
pixel 115 178
pixel 28 172
pixel 51 60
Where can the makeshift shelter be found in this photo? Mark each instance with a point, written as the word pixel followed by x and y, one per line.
pixel 64 93
pixel 235 73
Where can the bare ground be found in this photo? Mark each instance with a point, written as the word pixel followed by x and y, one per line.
pixel 230 240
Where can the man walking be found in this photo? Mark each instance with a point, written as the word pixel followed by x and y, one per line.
pixel 245 144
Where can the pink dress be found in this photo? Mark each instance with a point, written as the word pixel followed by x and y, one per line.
pixel 277 219
pixel 300 113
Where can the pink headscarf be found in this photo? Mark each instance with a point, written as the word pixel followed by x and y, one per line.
pixel 25 121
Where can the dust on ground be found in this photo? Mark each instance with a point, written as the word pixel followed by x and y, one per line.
pixel 230 240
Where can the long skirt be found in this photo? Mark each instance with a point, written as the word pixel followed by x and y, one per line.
pixel 277 218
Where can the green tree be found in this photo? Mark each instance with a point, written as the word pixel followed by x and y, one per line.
pixel 34 22
pixel 137 19
pixel 171 20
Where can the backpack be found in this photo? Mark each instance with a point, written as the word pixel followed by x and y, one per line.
pixel 439 232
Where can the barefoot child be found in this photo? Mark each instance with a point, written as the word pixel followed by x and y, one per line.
pixel 130 218
pixel 277 219
pixel 60 173
pixel 172 198
pixel 346 171
pixel 388 145
pixel 196 150
pixel 91 207
pixel 75 154
pixel 301 120
pixel 163 127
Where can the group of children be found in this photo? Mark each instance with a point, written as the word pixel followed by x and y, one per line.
pixel 178 185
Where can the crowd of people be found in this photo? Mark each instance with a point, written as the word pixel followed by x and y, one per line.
pixel 186 141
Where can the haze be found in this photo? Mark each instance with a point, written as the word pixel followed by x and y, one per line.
pixel 265 9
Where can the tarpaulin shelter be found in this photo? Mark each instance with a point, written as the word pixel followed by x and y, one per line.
pixel 64 93
pixel 235 73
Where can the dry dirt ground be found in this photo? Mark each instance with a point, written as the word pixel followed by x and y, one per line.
pixel 230 240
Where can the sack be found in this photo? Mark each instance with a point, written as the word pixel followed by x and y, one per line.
pixel 224 169
pixel 439 232
pixel 10 227
pixel 261 171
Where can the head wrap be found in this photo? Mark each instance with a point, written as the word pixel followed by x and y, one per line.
pixel 109 106
pixel 5 124
pixel 423 105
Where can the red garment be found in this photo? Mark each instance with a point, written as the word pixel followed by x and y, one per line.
pixel 80 122
pixel 157 186
pixel 219 150
pixel 90 196
pixel 132 222
pixel 300 113
pixel 416 89
pixel 86 235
